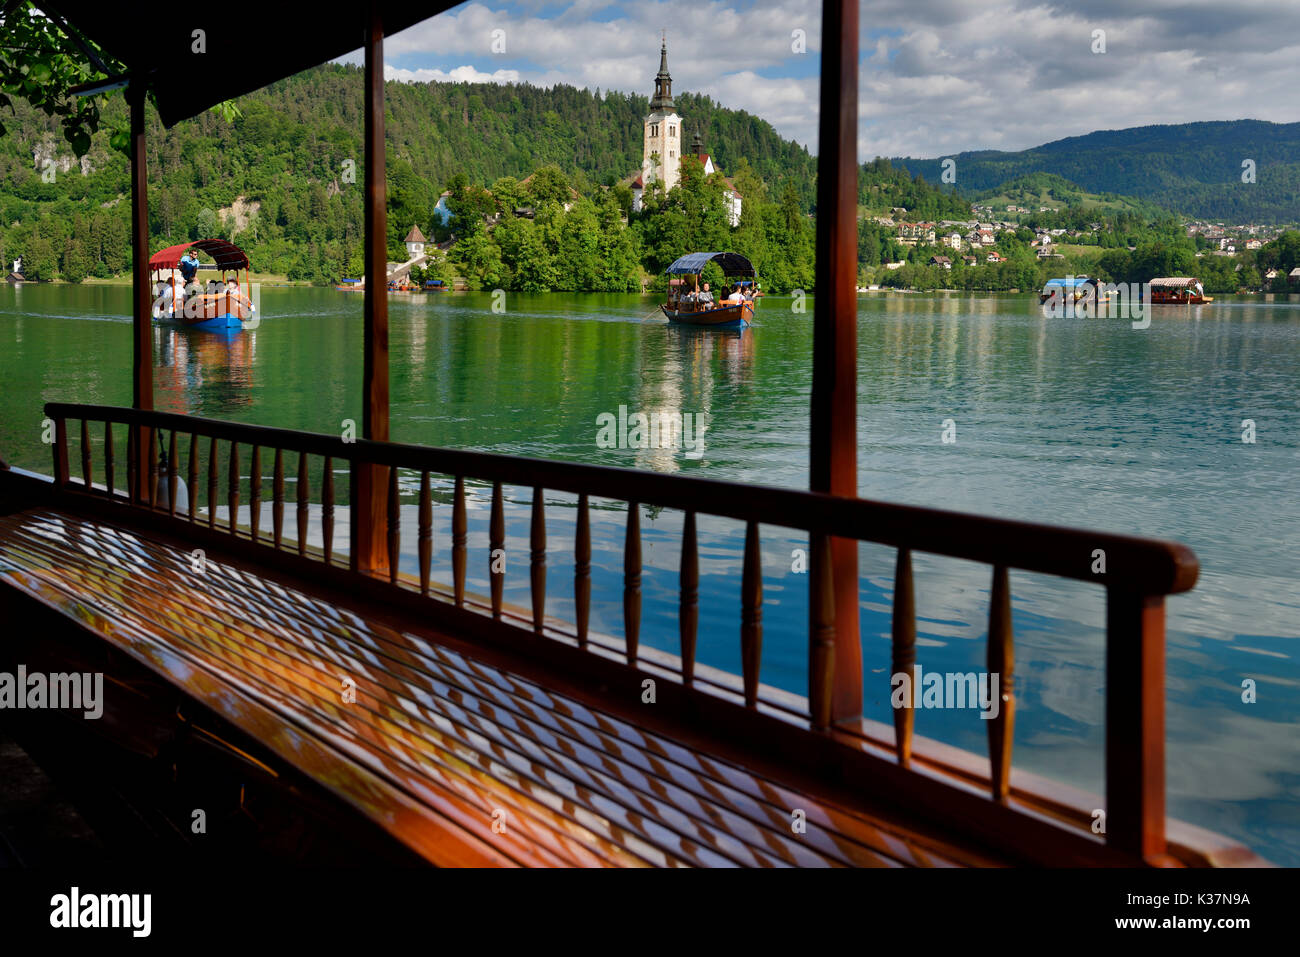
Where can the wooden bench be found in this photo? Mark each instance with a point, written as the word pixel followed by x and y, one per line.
pixel 448 750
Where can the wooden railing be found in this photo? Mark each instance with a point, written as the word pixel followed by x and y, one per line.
pixel 1136 573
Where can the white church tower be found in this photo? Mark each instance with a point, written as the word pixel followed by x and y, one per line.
pixel 661 156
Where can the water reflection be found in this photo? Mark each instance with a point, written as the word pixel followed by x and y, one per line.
pixel 195 369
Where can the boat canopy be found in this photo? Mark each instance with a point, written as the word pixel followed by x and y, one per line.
pixel 1176 282
pixel 1070 282
pixel 692 264
pixel 227 255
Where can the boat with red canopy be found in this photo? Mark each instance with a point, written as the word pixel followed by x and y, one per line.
pixel 217 306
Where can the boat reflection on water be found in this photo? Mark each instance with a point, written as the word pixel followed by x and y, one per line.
pixel 194 370
pixel 732 348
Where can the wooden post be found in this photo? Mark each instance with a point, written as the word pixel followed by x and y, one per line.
pixel 142 298
pixel 835 314
pixel 369 508
pixel 1135 723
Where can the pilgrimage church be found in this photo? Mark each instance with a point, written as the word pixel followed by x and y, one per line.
pixel 661 152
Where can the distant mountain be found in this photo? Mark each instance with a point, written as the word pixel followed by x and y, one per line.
pixel 1195 168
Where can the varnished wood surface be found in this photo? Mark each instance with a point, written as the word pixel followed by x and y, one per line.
pixel 461 740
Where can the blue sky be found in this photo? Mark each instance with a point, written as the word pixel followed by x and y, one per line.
pixel 937 76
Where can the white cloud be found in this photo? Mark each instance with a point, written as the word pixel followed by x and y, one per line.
pixel 937 76
pixel 460 74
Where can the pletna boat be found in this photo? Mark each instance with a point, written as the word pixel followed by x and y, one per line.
pixel 1180 290
pixel 212 307
pixel 695 305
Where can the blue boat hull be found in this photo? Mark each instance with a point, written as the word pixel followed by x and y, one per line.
pixel 222 323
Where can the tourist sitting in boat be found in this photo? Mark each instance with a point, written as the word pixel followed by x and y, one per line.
pixel 189 266
pixel 232 287
pixel 736 296
pixel 706 296
pixel 163 301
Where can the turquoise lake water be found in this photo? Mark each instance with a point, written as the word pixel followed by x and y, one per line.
pixel 1077 422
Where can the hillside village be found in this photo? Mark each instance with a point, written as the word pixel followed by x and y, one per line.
pixel 1010 245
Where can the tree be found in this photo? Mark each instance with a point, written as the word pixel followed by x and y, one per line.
pixel 509 195
pixel 548 184
pixel 76 264
pixel 39 260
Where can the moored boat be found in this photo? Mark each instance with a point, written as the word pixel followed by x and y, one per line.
pixel 218 308
pixel 1179 290
pixel 689 304
pixel 1076 289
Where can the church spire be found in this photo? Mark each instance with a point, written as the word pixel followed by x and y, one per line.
pixel 662 102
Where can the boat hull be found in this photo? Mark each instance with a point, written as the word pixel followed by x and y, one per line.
pixel 723 317
pixel 1173 299
pixel 217 312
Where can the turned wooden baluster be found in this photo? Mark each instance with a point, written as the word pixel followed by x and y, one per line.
pixel 1001 663
pixel 632 582
pixel 327 509
pixel 304 502
pixel 172 474
pixel 151 486
pixel 212 483
pixel 61 452
pixel 132 492
pixel 255 492
pixel 689 605
pixel 232 487
pixel 751 614
pixel 496 549
pixel 277 499
pixel 426 532
pixel 458 538
pixel 154 468
pixel 821 631
pixel 582 569
pixel 537 558
pixel 394 524
pixel 904 654
pixel 194 476
pixel 108 459
pixel 85 455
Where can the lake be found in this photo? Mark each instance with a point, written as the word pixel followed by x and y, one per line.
pixel 1066 421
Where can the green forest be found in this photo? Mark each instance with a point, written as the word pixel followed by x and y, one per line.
pixel 533 177
pixel 284 178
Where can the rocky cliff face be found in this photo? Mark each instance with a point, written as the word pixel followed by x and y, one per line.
pixel 48 154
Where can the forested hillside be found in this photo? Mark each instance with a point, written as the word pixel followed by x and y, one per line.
pixel 883 187
pixel 292 162
pixel 1193 167
pixel 1036 190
